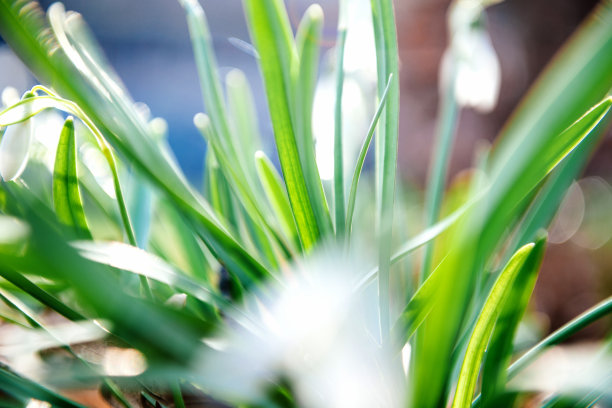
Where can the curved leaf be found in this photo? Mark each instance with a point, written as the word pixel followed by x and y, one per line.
pixel 520 268
pixel 66 196
pixel 272 37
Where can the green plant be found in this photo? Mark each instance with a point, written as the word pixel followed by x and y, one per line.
pixel 252 294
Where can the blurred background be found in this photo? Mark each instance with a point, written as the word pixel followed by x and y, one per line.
pixel 148 44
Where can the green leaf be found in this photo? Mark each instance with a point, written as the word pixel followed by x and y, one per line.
pixel 173 239
pixel 589 316
pixel 241 109
pixel 499 350
pixel 387 59
pixel 66 196
pixel 419 240
pixel 19 280
pixel 276 193
pixel 132 259
pixel 218 192
pixel 574 82
pixel 208 73
pixel 176 336
pixel 255 208
pixel 519 269
pixel 339 203
pixel 79 76
pixel 228 146
pixel 23 391
pixel 308 39
pixel 361 158
pixel 445 129
pixel 511 183
pixel 415 313
pixel 271 33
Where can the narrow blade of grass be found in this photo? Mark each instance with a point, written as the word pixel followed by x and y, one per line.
pixel 575 81
pixel 339 203
pixel 417 241
pixel 525 262
pixel 78 77
pixel 51 257
pixel 442 147
pixel 591 315
pixel 415 312
pixel 134 260
pixel 499 350
pixel 44 297
pixel 241 110
pixel 254 208
pixel 173 239
pixel 208 73
pixel 363 151
pixel 387 63
pixel 66 196
pixel 228 146
pixel 218 192
pixel 24 391
pixel 273 40
pixel 276 193
pixel 308 39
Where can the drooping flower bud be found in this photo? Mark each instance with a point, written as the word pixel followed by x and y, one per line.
pixel 15 148
pixel 470 63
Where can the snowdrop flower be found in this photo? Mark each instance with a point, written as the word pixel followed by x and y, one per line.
pixel 315 333
pixel 15 144
pixel 470 63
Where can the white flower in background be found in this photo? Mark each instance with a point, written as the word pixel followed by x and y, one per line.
pixel 15 143
pixel 33 139
pixel 359 92
pixel 355 112
pixel 471 62
pixel 314 330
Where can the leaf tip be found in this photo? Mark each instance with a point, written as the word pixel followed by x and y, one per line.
pixel 315 13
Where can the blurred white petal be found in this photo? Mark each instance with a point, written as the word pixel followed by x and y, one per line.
pixel 13 231
pixel 471 58
pixel 15 149
pixel 123 362
pixel 10 96
pixel 478 77
pixel 313 333
pixel 47 128
pixel 34 403
pixel 359 92
pixel 98 166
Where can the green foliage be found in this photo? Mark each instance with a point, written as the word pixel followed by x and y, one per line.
pixel 225 264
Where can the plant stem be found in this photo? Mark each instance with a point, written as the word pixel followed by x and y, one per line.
pixel 177 395
pixel 387 63
pixel 338 154
pixel 350 210
pixel 598 311
pixel 442 148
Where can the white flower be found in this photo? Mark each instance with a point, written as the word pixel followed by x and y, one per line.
pixel 471 63
pixel 478 75
pixel 15 141
pixel 313 330
pixel 15 150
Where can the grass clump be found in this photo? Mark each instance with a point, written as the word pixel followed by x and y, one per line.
pixel 257 290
